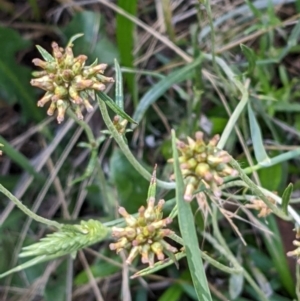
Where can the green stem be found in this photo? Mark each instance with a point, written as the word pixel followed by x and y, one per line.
pixel 125 149
pixel 27 211
pixel 85 126
pixel 231 257
pixel 257 191
pixel 209 259
pixel 275 160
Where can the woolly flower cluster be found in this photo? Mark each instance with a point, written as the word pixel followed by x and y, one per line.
pixel 144 235
pixel 203 162
pixel 67 81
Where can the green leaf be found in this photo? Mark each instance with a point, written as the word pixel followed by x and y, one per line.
pixel 14 78
pixel 188 232
pixel 173 293
pixel 286 198
pixel 92 25
pixel 19 159
pixel 271 177
pixel 119 86
pixel 74 38
pixel 275 248
pixel 131 187
pixel 258 145
pixel 114 106
pixel 250 56
pixel 45 54
pixel 162 86
pixel 125 33
pixel 236 283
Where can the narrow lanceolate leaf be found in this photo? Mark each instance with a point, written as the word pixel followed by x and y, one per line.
pixel 188 232
pixel 45 54
pixel 162 86
pixel 258 144
pixel 119 86
pixel 125 32
pixel 19 159
pixel 286 198
pixel 250 56
pixel 75 37
pixel 114 106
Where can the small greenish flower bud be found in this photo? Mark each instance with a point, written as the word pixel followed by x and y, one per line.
pixel 157 248
pixel 44 99
pixel 151 259
pixel 44 85
pixel 74 94
pixel 105 79
pixel 61 106
pixel 149 213
pixel 39 63
pixel 168 246
pixel 78 64
pixel 98 86
pixel 67 75
pixel 191 142
pixel 80 83
pixel 130 220
pixel 51 109
pixel 39 73
pixel 78 112
pixel 69 58
pixel 212 160
pixel 133 253
pixel 89 108
pixel 145 253
pixel 202 169
pixel 61 91
pixel 57 53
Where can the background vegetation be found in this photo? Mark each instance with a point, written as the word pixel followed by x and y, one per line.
pixel 176 57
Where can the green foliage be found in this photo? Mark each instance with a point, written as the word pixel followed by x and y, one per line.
pixel 94 47
pixel 14 84
pixel 248 93
pixel 132 190
pixel 125 32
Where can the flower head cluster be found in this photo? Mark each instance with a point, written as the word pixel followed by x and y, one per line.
pixel 120 124
pixel 203 162
pixel 67 81
pixel 1 145
pixel 261 206
pixel 144 234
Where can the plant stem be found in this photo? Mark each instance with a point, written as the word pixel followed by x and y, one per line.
pixel 256 190
pixel 231 257
pixel 125 149
pixel 27 211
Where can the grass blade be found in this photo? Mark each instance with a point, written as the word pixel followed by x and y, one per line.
pixel 125 41
pixel 162 86
pixel 114 106
pixel 188 232
pixel 258 145
pixel 286 196
pixel 119 86
pixel 19 158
